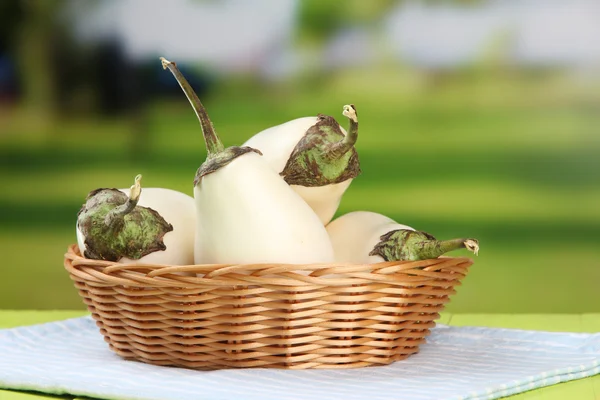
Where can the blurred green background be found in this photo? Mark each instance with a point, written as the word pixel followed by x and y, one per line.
pixel 487 141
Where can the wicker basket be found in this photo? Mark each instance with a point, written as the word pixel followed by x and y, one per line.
pixel 269 315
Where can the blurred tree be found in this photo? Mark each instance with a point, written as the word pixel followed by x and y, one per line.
pixel 36 35
pixel 319 19
pixel 11 13
pixel 10 18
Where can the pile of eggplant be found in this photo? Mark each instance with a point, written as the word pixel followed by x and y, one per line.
pixel 270 200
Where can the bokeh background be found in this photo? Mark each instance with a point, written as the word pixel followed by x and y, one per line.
pixel 477 119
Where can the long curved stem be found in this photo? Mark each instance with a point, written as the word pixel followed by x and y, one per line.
pixel 213 143
pixel 119 212
pixel 343 146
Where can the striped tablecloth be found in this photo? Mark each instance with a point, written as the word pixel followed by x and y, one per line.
pixel 457 363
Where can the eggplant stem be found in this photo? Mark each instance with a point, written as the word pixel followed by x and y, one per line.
pixel 340 148
pixel 436 248
pixel 213 143
pixel 134 196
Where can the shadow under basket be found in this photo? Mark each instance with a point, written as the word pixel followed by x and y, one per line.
pixel 268 315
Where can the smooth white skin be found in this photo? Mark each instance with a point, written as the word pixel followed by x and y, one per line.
pixel 250 215
pixel 354 235
pixel 277 143
pixel 179 210
pixel 324 200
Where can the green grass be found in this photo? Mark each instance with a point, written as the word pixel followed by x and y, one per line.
pixel 511 160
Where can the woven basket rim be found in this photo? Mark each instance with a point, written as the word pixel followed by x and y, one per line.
pixel 74 255
pixel 336 274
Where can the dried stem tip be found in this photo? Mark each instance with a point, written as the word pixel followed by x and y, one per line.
pixel 165 63
pixel 472 245
pixel 349 111
pixel 136 189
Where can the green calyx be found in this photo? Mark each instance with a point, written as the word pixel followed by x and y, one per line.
pixel 407 245
pixel 217 155
pixel 325 155
pixel 114 226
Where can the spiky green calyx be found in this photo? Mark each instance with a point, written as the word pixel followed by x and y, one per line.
pixel 114 226
pixel 217 155
pixel 325 155
pixel 407 245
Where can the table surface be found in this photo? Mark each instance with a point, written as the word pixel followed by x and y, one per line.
pixel 582 389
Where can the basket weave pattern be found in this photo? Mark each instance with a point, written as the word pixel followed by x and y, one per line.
pixel 267 315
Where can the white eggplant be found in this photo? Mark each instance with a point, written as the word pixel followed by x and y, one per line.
pixel 152 225
pixel 248 213
pixel 315 156
pixel 365 237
